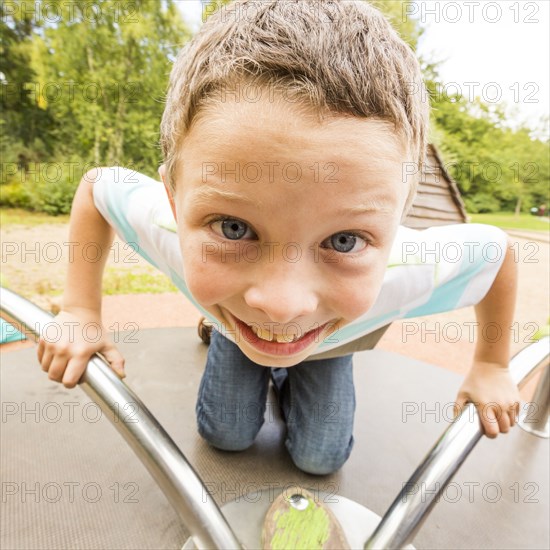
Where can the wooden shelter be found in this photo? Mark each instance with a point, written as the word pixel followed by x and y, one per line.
pixel 438 200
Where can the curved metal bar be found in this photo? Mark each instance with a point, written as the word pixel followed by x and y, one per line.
pixel 153 446
pixel 413 504
pixel 540 424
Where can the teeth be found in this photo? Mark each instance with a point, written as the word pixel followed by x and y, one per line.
pixel 263 334
pixel 285 338
pixel 267 335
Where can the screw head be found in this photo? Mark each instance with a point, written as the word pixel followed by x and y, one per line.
pixel 298 501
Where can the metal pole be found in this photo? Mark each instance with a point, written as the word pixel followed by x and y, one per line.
pixel 153 446
pixel 537 421
pixel 412 506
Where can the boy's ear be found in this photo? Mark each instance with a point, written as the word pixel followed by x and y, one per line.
pixel 162 174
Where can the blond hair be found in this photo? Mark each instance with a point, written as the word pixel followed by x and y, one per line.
pixel 339 56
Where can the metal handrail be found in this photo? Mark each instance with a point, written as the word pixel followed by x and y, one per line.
pixel 412 506
pixel 152 445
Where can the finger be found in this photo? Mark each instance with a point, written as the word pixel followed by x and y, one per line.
pixel 40 350
pixel 115 360
pixel 74 371
pixel 489 422
pixel 46 360
pixel 458 406
pixel 504 422
pixel 514 414
pixel 57 368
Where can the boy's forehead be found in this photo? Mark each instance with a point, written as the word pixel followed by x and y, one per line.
pixel 283 128
pixel 226 143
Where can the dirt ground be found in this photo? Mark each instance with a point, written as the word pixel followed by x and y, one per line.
pixel 34 262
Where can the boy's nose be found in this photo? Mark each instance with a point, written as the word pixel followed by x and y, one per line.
pixel 283 297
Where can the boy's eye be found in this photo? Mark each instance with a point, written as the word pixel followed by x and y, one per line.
pixel 232 229
pixel 345 243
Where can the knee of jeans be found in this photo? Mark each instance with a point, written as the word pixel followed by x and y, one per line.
pixel 227 440
pixel 227 436
pixel 319 462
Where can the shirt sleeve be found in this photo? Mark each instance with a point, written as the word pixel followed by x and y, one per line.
pixel 431 271
pixel 137 207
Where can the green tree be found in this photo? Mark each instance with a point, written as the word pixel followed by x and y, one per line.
pixel 108 68
pixel 24 125
pixel 496 167
pixel 84 87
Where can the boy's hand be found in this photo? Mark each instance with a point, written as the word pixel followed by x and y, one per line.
pixel 491 389
pixel 64 353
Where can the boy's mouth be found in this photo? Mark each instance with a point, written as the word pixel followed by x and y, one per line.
pixel 273 343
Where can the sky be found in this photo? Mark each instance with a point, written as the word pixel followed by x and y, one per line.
pixel 498 50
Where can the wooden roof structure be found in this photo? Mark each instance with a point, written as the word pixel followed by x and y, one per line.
pixel 438 201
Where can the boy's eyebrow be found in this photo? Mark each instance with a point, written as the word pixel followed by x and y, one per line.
pixel 206 194
pixel 371 205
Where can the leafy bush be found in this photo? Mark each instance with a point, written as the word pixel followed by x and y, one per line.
pixel 54 197
pixel 47 187
pixel 482 202
pixel 14 195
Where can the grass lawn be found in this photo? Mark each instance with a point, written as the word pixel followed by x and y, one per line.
pixel 507 220
pixel 18 216
pixel 123 281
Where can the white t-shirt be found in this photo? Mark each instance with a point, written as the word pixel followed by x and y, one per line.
pixel 429 271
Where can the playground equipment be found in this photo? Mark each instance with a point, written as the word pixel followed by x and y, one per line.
pixel 237 523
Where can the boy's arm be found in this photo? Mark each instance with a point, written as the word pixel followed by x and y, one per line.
pixel 65 358
pixel 87 226
pixel 488 384
pixel 495 314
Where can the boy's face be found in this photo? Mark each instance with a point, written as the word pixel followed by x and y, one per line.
pixel 285 223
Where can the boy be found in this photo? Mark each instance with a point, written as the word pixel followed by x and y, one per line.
pixel 288 131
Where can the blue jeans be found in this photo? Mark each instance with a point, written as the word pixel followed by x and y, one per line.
pixel 317 399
